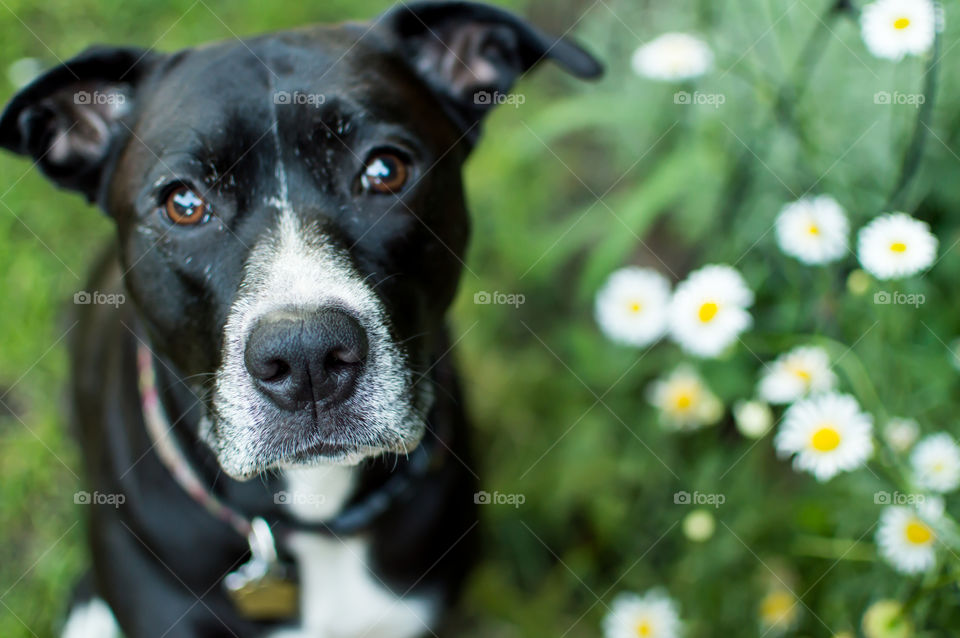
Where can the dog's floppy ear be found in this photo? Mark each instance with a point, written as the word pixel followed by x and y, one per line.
pixel 469 52
pixel 68 119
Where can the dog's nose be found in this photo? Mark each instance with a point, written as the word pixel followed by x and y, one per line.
pixel 297 359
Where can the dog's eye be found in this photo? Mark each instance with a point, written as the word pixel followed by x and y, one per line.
pixel 184 207
pixel 385 172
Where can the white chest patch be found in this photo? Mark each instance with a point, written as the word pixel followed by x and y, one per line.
pixel 92 619
pixel 340 596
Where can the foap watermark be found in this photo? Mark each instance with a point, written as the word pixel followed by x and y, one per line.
pixel 499 498
pixel 299 98
pixel 885 298
pixel 496 98
pixel 898 498
pixel 99 98
pixel 916 100
pixel 99 498
pixel 699 498
pixel 497 298
pixel 298 498
pixel 685 98
pixel 97 298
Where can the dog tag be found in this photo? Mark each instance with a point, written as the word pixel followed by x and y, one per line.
pixel 260 589
pixel 267 597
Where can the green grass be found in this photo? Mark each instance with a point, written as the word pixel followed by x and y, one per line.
pixel 561 415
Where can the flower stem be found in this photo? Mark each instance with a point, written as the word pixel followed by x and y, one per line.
pixel 914 154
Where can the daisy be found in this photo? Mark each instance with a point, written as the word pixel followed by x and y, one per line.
pixel 671 57
pixel 896 245
pixel 901 434
pixel 813 229
pixel 652 615
pixel 802 371
pixel 684 400
pixel 895 28
pixel 709 310
pixel 753 418
pixel 631 307
pixel 906 540
pixel 779 610
pixel 936 463
pixel 827 433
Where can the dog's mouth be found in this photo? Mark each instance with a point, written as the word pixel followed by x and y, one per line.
pixel 248 448
pixel 331 452
pixel 385 413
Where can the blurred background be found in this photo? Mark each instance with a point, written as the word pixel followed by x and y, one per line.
pixel 565 188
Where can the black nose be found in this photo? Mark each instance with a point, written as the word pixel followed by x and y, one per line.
pixel 299 359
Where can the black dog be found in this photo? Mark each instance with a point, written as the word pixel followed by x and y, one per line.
pixel 291 227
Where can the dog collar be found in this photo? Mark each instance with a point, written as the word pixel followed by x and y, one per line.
pixel 260 588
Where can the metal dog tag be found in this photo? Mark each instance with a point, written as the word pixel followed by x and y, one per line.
pixel 260 589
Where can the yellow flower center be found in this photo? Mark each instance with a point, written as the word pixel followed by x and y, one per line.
pixel 898 247
pixel 901 23
pixel 708 311
pixel 918 533
pixel 803 373
pixel 825 439
pixel 814 230
pixel 644 629
pixel 683 401
pixel 635 307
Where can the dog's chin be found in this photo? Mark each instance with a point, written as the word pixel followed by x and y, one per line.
pixel 243 463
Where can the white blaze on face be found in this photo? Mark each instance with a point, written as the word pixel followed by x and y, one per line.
pixel 297 268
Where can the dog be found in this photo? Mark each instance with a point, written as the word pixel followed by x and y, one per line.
pixel 273 413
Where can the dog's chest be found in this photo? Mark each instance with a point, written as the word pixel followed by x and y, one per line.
pixel 340 596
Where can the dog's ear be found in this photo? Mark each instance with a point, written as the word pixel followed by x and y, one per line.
pixel 69 119
pixel 468 53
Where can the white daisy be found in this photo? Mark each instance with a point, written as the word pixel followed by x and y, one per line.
pixel 671 57
pixel 632 306
pixel 906 540
pixel 901 434
pixel 709 310
pixel 815 230
pixel 684 400
pixel 652 615
pixel 828 433
pixel 895 28
pixel 802 371
pixel 936 463
pixel 896 245
pixel 753 418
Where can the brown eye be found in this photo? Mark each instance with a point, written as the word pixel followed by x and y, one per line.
pixel 184 207
pixel 385 172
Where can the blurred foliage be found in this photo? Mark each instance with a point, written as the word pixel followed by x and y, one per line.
pixel 576 182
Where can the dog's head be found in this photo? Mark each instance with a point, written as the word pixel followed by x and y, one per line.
pixel 290 211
